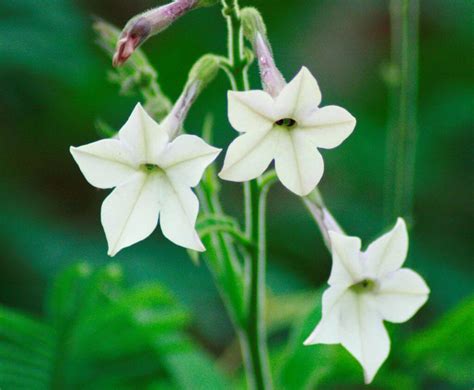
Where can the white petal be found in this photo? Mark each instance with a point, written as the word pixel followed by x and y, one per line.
pixel 363 334
pixel 143 135
pixel 327 331
pixel 388 253
pixel 400 295
pixel 105 163
pixel 298 163
pixel 249 155
pixel 250 111
pixel 346 263
pixel 299 97
pixel 186 158
pixel 327 127
pixel 130 213
pixel 180 208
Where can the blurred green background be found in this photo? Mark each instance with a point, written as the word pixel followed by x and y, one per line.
pixel 53 88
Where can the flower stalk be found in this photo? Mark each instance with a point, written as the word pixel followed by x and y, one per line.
pixel 255 198
pixel 238 63
pixel 401 140
pixel 326 222
pixel 252 336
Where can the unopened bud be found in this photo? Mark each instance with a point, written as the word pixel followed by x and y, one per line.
pixel 255 31
pixel 147 24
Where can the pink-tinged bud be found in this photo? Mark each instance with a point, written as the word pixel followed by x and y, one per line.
pixel 126 45
pixel 272 79
pixel 255 31
pixel 147 24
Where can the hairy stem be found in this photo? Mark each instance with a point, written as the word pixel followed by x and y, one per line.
pixel 401 140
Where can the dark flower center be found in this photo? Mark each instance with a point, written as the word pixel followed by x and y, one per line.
pixel 286 122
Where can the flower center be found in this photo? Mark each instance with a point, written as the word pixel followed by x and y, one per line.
pixel 149 168
pixel 286 122
pixel 364 286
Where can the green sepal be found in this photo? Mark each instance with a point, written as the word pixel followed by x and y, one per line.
pixel 252 23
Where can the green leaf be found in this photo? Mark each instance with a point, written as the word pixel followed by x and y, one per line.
pixel 25 333
pixel 26 356
pixel 445 349
pixel 101 335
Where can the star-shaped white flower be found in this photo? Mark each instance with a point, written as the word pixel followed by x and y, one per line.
pixel 367 288
pixel 153 177
pixel 288 129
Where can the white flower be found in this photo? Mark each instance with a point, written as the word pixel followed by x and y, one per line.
pixel 153 177
pixel 367 288
pixel 288 129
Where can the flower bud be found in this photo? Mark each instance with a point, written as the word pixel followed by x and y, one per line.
pixel 255 31
pixel 147 24
pixel 200 75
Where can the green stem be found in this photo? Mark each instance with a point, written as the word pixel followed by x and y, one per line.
pixel 267 179
pixel 225 266
pixel 255 199
pixel 253 336
pixel 236 234
pixel 238 63
pixel 401 140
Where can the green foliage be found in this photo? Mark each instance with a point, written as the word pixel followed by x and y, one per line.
pixel 41 36
pixel 446 349
pixel 100 335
